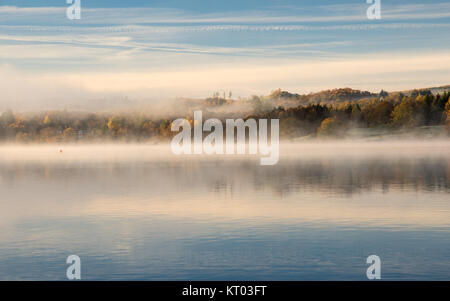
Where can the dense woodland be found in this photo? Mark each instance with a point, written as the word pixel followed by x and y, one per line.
pixel 332 113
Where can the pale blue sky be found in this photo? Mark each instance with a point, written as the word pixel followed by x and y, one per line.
pixel 192 48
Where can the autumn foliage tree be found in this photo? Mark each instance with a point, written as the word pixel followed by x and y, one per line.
pixel 343 109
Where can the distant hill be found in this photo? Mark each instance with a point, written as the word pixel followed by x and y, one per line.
pixel 324 97
pixel 345 94
pixel 432 90
pixel 339 95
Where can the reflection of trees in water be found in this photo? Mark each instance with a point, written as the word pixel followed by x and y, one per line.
pixel 231 178
pixel 353 176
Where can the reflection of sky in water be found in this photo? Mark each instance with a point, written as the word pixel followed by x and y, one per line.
pixel 309 217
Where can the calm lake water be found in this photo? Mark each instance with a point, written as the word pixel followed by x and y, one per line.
pixel 137 212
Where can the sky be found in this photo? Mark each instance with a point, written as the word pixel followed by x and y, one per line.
pixel 159 49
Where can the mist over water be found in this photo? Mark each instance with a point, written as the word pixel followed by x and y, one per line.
pixel 140 212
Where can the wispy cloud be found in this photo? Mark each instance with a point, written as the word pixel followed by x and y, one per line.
pixel 173 51
pixel 321 13
pixel 384 71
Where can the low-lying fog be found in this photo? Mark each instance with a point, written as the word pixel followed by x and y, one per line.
pixel 162 151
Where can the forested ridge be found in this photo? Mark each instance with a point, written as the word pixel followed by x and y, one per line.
pixel 331 113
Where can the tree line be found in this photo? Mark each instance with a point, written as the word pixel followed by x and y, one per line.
pixel 390 112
